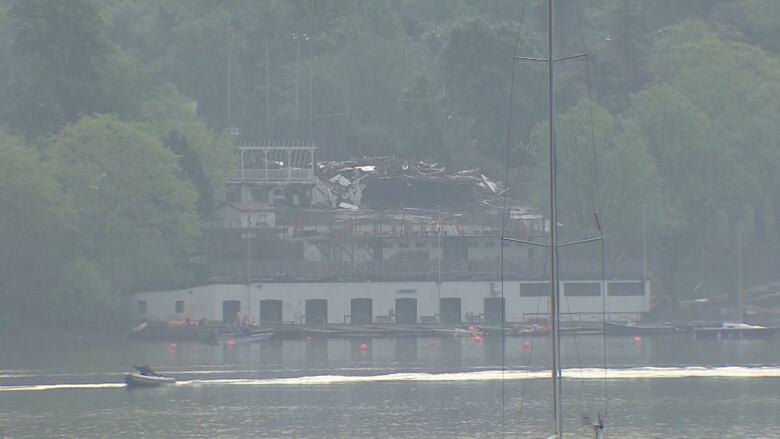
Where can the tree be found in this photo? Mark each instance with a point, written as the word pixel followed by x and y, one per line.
pixel 604 166
pixel 207 160
pixel 477 59
pixel 423 119
pixel 60 49
pixel 136 219
pixel 680 140
pixel 737 86
pixel 35 224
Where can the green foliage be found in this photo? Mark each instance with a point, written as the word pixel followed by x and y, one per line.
pixel 36 234
pixel 136 219
pixel 210 158
pixel 60 50
pixel 683 122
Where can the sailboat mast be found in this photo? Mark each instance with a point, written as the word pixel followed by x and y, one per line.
pixel 554 283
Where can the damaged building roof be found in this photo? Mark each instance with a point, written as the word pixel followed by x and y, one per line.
pixel 388 182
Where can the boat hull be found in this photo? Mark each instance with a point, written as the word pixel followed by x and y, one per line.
pixel 138 380
pixel 611 328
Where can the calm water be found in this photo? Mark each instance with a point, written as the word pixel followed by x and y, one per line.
pixel 400 388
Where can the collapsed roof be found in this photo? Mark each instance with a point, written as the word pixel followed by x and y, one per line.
pixel 387 182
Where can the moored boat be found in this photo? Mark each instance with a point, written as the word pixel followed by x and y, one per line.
pixel 635 329
pixel 733 330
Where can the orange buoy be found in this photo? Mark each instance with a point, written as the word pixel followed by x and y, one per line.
pixel 472 328
pixel 637 341
pixel 231 344
pixel 477 339
pixel 433 343
pixel 526 346
pixel 363 347
pixel 172 347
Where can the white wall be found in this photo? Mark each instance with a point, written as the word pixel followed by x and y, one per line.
pixel 206 301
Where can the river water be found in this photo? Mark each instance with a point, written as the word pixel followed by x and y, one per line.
pixel 669 387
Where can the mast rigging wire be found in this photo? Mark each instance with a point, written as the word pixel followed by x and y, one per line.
pixel 504 214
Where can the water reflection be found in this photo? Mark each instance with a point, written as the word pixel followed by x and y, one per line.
pixel 494 352
pixel 451 352
pixel 361 350
pixel 271 352
pixel 406 350
pixel 316 351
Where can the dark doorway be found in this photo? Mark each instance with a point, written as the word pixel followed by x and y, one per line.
pixel 450 310
pixel 361 311
pixel 316 312
pixel 494 310
pixel 406 311
pixel 230 310
pixel 270 311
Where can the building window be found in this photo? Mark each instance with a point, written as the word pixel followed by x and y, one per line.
pixel 179 306
pixel 141 307
pixel 537 289
pixel 625 289
pixel 581 289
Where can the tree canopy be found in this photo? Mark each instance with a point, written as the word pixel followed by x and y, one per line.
pixel 113 114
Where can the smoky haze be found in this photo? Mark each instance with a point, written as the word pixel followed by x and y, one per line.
pixel 175 165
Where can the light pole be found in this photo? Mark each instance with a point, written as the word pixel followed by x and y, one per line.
pixel 267 88
pixel 249 265
pixel 311 88
pixel 644 247
pixel 441 255
pixel 297 38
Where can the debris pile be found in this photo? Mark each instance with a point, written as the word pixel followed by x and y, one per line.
pixel 393 183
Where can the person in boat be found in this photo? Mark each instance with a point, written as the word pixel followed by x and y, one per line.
pixel 146 371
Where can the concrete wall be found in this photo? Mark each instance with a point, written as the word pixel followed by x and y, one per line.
pixel 206 301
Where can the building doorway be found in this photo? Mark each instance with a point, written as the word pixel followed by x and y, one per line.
pixel 270 311
pixel 361 311
pixel 316 312
pixel 230 310
pixel 450 310
pixel 406 311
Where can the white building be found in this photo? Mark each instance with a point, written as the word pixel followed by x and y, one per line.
pixel 451 302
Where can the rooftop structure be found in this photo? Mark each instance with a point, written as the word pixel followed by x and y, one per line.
pixel 275 164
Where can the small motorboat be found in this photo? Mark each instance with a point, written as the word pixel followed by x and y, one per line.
pixel 146 377
pixel 637 329
pixel 139 380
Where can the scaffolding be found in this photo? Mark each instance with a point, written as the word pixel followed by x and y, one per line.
pixel 278 164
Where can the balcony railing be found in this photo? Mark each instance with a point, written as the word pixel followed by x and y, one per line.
pixel 275 164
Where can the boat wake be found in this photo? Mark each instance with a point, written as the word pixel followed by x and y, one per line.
pixel 639 373
pixel 40 387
